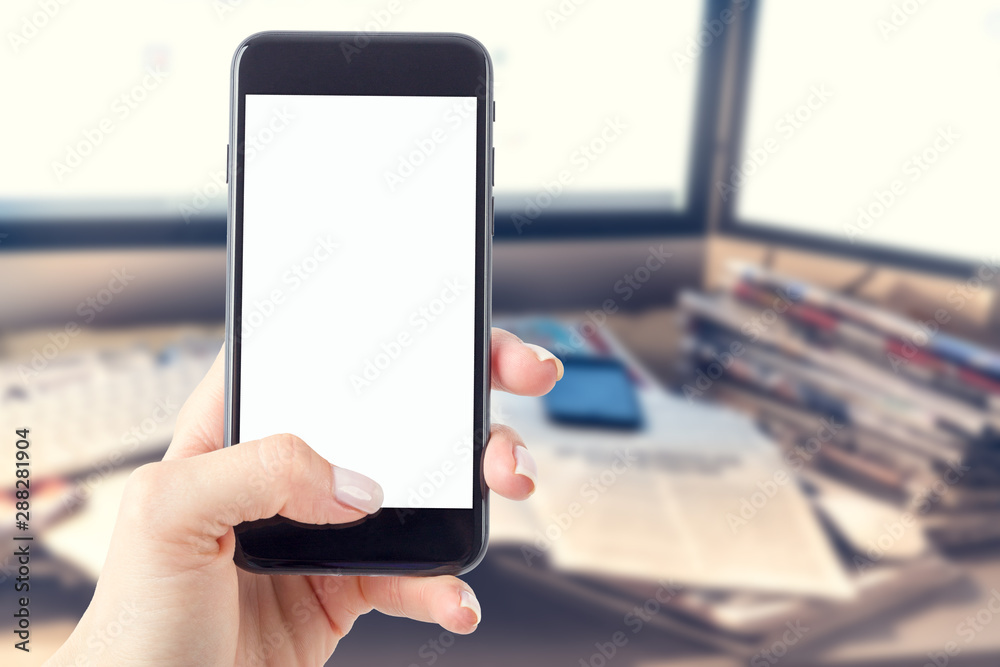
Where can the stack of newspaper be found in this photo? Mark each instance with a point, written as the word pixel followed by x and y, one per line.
pixel 701 525
pixel 911 413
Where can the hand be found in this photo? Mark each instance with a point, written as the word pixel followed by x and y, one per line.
pixel 169 591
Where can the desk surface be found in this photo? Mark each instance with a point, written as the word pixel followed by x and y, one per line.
pixel 525 624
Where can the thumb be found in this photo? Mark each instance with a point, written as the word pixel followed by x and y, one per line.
pixel 204 496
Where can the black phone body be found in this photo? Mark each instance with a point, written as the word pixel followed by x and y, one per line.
pixel 595 391
pixel 358 304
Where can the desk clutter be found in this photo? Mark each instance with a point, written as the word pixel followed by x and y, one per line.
pixel 750 504
pixel 721 526
pixel 102 402
pixel 895 406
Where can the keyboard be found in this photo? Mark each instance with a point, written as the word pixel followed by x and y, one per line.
pixel 109 401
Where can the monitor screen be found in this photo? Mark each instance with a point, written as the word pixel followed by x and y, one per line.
pixel 122 107
pixel 877 129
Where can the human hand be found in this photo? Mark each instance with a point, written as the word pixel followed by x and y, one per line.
pixel 170 593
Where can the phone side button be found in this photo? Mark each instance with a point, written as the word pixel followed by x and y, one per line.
pixel 227 163
pixel 493 166
pixel 493 214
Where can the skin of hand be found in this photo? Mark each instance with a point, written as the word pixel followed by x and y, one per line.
pixel 169 592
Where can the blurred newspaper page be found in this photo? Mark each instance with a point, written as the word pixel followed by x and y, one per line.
pixel 699 497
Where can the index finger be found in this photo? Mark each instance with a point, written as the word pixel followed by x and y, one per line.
pixel 522 368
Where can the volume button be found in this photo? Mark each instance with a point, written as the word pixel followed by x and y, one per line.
pixel 493 166
pixel 493 214
pixel 227 163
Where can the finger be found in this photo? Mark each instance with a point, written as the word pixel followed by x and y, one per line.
pixel 202 497
pixel 509 468
pixel 447 601
pixel 201 421
pixel 520 368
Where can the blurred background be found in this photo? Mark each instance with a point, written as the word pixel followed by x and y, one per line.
pixel 759 234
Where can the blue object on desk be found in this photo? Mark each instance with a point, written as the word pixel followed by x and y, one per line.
pixel 595 391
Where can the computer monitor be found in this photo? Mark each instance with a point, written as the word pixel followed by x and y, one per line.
pixel 122 116
pixel 868 129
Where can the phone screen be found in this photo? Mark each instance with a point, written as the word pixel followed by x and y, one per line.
pixel 357 316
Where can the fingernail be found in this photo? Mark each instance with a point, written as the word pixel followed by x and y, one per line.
pixel 545 355
pixel 525 465
pixel 469 601
pixel 355 490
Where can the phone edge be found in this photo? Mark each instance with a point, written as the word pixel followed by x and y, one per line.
pixel 478 554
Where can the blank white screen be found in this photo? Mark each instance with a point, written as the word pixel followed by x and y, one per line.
pixel 366 350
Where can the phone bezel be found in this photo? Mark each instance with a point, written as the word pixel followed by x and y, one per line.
pixel 392 541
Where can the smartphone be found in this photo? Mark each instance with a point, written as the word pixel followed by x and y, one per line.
pixel 597 392
pixel 358 307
